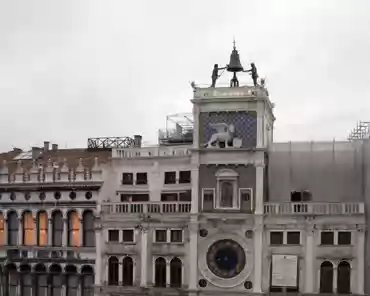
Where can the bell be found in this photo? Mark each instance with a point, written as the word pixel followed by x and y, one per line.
pixel 234 65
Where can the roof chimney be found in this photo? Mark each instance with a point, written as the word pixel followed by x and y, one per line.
pixel 46 146
pixel 137 141
pixel 54 147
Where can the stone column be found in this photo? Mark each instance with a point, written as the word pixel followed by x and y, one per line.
pixel 360 281
pixel 195 190
pixel 168 273
pixel 65 231
pixel 35 232
pixel 260 129
pixel 5 235
pixel 259 188
pixel 258 253
pixel 144 257
pixel 20 232
pixel 193 254
pixel 50 231
pixel 309 260
pixel 98 260
pixel 120 270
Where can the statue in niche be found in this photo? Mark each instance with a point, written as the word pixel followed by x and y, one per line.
pixel 226 195
pixel 225 135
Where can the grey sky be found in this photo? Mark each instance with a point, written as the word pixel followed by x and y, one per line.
pixel 75 69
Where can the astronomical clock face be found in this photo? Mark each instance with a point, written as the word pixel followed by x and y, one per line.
pixel 226 258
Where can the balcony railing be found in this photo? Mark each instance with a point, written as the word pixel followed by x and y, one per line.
pixel 151 152
pixel 145 207
pixel 313 208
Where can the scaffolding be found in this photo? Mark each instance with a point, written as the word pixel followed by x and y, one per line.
pixel 178 131
pixel 360 132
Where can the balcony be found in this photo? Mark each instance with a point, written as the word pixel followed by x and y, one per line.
pixel 145 207
pixel 313 208
pixel 151 152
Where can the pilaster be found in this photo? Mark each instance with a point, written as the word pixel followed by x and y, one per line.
pixel 259 187
pixel 50 231
pixel 360 281
pixel 65 232
pixel 98 260
pixel 193 254
pixel 20 231
pixel 309 260
pixel 144 257
pixel 258 253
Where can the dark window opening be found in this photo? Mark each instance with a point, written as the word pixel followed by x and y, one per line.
pixel 208 200
pixel 161 236
pixel 113 271
pixel 299 196
pixel 276 238
pixel 127 179
pixel 327 238
pixel 127 271
pixel 128 235
pixel 176 236
pixel 141 179
pixel 185 177
pixel 170 178
pixel 169 197
pixel 344 278
pixel 160 272
pixel 113 235
pixel 185 196
pixel 293 238
pixel 134 197
pixel 344 238
pixel 175 273
pixel 326 277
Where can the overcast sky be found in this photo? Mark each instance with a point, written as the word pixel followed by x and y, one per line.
pixel 73 69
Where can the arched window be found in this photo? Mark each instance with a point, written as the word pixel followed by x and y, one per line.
pixel 57 236
pixel 176 273
pixel 227 193
pixel 344 278
pixel 326 277
pixel 13 278
pixel 41 278
pixel 88 229
pixel 25 280
pixel 160 272
pixel 13 226
pixel 56 280
pixel 128 271
pixel 71 280
pixel 42 229
pixel 87 281
pixel 28 229
pixel 2 233
pixel 113 271
pixel 73 229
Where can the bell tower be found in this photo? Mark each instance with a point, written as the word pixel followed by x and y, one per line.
pixel 233 128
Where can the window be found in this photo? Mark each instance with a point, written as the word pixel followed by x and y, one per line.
pixel 175 273
pixel 208 199
pixel 57 195
pixel 327 238
pixel 185 177
pixel 344 238
pixel 185 196
pixel 88 229
pixel 299 196
pixel 72 195
pixel 276 237
pixel 227 188
pixel 134 197
pixel 127 179
pixel 87 281
pixel 246 201
pixel 2 242
pixel 176 236
pixel 141 179
pixel 58 225
pixel 73 229
pixel 28 228
pixel 42 229
pixel 344 278
pixel 127 271
pixel 12 228
pixel 293 238
pixel 113 235
pixel 169 197
pixel 170 178
pixel 128 235
pixel 113 271
pixel 160 272
pixel 161 236
pixel 227 195
pixel 88 195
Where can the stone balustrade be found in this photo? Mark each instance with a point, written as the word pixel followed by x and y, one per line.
pixel 150 152
pixel 146 207
pixel 313 208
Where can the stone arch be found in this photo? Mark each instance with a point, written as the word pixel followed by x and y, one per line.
pixel 344 278
pixel 176 273
pixel 56 279
pixel 41 280
pixel 128 271
pixel 12 278
pixel 160 272
pixel 113 265
pixel 326 277
pixel 87 280
pixel 71 280
pixel 25 282
pixel 88 228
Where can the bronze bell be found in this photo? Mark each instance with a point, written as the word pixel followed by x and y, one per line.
pixel 234 65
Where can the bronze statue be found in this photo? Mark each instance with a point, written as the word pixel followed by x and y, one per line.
pixel 215 75
pixel 254 74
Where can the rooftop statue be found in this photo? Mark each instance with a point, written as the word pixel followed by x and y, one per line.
pixel 253 71
pixel 215 75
